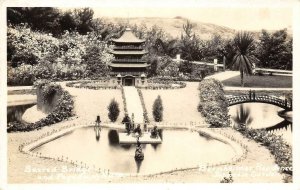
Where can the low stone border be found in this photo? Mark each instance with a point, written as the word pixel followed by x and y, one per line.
pixel 26 148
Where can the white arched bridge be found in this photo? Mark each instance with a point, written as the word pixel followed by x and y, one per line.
pixel 282 103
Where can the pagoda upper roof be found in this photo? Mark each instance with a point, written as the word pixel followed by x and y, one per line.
pixel 128 37
pixel 129 52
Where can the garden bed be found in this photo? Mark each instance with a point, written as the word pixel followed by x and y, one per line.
pixel 163 83
pixel 92 84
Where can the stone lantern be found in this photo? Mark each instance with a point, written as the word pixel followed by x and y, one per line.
pixel 119 78
pixel 143 76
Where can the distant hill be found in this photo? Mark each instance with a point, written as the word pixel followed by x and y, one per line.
pixel 173 26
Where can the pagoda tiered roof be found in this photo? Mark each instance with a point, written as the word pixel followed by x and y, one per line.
pixel 142 52
pixel 129 65
pixel 128 37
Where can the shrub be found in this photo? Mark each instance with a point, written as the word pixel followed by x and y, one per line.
pixel 63 109
pixel 213 103
pixel 157 109
pixel 277 146
pixel 113 110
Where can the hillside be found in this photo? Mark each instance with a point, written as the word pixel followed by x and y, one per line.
pixel 173 26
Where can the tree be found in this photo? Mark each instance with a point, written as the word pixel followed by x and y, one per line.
pixel 275 50
pixel 190 45
pixel 97 59
pixel 164 48
pixel 67 21
pixel 44 19
pixel 113 110
pixel 157 109
pixel 243 59
pixel 84 19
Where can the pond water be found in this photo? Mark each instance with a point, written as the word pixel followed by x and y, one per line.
pixel 264 116
pixel 14 113
pixel 179 149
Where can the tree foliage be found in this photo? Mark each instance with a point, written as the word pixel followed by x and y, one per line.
pixel 275 50
pixel 244 59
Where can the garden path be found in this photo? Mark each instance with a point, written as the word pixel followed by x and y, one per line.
pixel 133 103
pixel 224 75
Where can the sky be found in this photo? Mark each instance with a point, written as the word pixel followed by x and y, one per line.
pixel 236 14
pixel 255 18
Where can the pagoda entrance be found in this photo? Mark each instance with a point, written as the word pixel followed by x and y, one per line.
pixel 128 81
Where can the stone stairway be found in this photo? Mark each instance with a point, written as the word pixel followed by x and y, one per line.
pixel 133 102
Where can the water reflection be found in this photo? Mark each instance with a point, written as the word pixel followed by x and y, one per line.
pixel 97 132
pixel 14 113
pixel 262 116
pixel 177 151
pixel 282 125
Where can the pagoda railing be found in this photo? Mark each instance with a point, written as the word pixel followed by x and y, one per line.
pixel 128 47
pixel 137 73
pixel 128 60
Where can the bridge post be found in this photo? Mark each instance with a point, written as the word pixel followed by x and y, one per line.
pixel 250 94
pixel 285 102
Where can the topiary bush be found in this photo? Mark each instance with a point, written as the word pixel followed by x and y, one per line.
pixel 113 110
pixel 157 109
pixel 213 103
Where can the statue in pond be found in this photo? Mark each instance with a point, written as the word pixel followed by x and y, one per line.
pixel 154 132
pixel 127 121
pixel 97 122
pixel 139 155
pixel 138 130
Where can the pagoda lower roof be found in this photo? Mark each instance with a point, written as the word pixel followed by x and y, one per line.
pixel 128 65
pixel 129 52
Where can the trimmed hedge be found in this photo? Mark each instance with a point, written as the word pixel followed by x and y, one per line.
pixel 213 103
pixel 157 109
pixel 113 110
pixel 63 109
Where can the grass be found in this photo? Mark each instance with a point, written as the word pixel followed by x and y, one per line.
pixel 261 81
pixel 180 105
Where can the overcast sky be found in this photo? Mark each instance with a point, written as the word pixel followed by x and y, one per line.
pixel 255 18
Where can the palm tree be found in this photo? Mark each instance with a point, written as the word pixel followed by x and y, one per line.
pixel 243 59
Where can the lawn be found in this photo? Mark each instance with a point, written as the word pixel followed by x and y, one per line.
pixel 180 105
pixel 261 81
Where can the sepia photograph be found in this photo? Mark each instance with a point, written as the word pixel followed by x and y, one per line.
pixel 149 94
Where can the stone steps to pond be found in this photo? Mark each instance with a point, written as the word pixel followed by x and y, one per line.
pixel 133 103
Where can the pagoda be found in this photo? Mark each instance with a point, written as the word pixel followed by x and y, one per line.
pixel 128 67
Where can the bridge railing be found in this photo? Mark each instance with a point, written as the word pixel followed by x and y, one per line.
pixel 259 98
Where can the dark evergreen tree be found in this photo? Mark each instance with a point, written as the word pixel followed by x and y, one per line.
pixel 157 109
pixel 113 110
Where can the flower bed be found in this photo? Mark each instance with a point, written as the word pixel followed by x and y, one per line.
pixel 63 110
pixel 124 101
pixel 277 146
pixel 95 84
pixel 145 113
pixel 164 83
